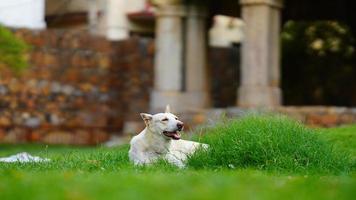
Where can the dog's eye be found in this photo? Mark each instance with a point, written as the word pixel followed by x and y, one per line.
pixel 176 118
pixel 165 119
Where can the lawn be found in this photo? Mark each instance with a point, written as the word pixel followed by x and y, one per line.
pixel 106 173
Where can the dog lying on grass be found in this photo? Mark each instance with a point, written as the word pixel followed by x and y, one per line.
pixel 161 140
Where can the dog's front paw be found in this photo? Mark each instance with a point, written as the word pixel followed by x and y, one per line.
pixel 205 146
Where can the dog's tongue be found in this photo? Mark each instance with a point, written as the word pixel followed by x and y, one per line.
pixel 176 136
pixel 173 135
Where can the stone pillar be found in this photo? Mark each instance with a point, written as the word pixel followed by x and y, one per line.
pixel 92 16
pixel 113 24
pixel 260 54
pixel 195 50
pixel 180 60
pixel 117 24
pixel 168 71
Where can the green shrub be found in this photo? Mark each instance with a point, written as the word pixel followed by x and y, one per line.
pixel 13 51
pixel 272 143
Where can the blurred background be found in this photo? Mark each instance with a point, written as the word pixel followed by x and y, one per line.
pixel 81 71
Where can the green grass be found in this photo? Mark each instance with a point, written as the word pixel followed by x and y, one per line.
pixel 103 173
pixel 343 138
pixel 273 143
pixel 131 184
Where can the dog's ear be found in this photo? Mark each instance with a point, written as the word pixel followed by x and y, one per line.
pixel 146 117
pixel 168 109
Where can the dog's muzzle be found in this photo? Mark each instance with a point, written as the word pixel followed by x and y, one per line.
pixel 175 135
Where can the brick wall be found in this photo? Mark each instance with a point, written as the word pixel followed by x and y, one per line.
pixel 76 89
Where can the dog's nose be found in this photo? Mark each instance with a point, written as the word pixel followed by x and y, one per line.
pixel 180 126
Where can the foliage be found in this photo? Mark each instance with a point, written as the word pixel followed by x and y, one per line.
pixel 13 51
pixel 271 143
pixel 318 63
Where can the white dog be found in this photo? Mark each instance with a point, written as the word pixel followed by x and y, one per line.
pixel 161 139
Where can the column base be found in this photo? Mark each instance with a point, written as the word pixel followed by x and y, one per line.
pixel 179 102
pixel 259 96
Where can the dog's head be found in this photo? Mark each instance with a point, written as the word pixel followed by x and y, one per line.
pixel 165 124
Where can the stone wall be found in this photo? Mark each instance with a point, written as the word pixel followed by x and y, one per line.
pixel 76 89
pixel 312 116
pixel 320 116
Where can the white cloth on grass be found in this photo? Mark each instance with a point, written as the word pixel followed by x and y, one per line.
pixel 23 157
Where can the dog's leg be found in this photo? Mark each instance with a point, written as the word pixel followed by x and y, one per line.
pixel 172 159
pixel 140 158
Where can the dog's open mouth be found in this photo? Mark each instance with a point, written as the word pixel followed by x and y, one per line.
pixel 175 135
